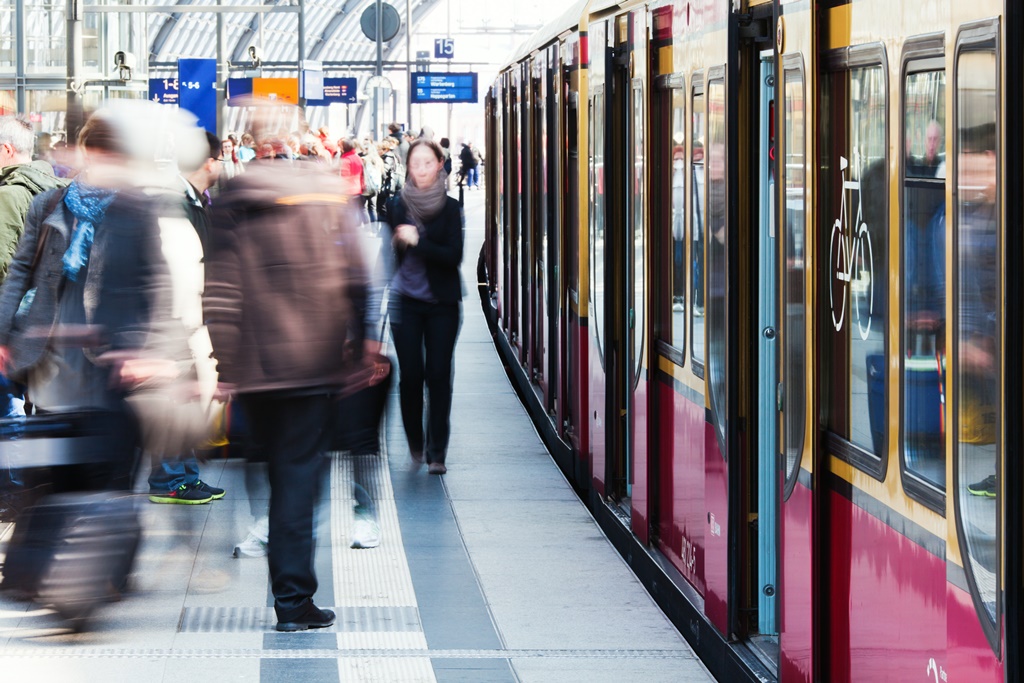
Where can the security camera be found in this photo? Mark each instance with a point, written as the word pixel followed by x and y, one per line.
pixel 126 59
pixel 256 55
pixel 125 62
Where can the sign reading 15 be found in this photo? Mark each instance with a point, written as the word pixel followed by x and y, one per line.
pixel 444 48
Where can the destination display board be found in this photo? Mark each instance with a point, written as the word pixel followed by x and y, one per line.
pixel 451 88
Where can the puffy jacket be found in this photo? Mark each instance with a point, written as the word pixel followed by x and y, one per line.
pixel 18 185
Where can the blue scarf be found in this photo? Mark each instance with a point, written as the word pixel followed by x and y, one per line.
pixel 87 204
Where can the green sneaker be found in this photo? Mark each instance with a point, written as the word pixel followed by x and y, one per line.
pixel 186 494
pixel 986 487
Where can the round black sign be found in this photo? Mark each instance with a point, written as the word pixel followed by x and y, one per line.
pixel 389 20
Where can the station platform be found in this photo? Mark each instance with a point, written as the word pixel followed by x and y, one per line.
pixel 493 572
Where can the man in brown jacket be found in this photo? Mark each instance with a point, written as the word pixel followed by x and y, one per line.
pixel 285 289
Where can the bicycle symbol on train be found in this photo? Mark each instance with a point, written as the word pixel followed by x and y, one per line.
pixel 851 263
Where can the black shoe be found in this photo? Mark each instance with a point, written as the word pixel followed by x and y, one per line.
pixel 206 488
pixel 313 617
pixel 186 494
pixel 437 468
pixel 986 487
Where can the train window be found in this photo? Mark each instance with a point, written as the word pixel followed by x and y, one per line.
pixel 854 231
pixel 637 181
pixel 716 252
pixel 924 283
pixel 794 164
pixel 977 318
pixel 597 255
pixel 698 125
pixel 677 321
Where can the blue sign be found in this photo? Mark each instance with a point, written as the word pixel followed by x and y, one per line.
pixel 197 89
pixel 444 48
pixel 337 91
pixel 163 90
pixel 452 88
pixel 238 87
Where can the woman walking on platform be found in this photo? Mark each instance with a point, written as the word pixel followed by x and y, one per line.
pixel 426 299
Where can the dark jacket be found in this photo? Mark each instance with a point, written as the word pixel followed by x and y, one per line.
pixel 440 247
pixel 126 269
pixel 18 185
pixel 285 279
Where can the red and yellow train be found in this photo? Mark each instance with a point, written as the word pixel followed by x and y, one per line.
pixel 756 267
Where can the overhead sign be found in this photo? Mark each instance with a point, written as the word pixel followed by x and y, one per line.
pixel 241 91
pixel 163 90
pixel 337 91
pixel 444 48
pixel 239 88
pixel 452 88
pixel 389 19
pixel 197 90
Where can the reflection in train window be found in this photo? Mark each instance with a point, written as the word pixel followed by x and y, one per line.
pixel 597 256
pixel 794 283
pixel 697 130
pixel 853 228
pixel 677 322
pixel 924 282
pixel 716 237
pixel 978 322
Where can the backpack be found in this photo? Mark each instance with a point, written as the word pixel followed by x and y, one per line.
pixel 371 179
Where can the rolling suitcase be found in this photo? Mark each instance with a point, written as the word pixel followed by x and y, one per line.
pixel 73 550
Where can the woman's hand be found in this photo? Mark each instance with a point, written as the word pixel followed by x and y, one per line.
pixel 406 235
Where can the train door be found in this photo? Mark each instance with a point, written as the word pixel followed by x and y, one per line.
pixel 513 158
pixel 767 362
pixel 553 274
pixel 540 184
pixel 598 355
pixel 569 340
pixel 795 144
pixel 526 223
pixel 723 455
pixel 626 278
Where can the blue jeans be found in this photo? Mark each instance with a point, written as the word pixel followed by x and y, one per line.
pixel 472 177
pixel 173 472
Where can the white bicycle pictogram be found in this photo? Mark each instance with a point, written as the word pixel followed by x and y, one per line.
pixel 851 262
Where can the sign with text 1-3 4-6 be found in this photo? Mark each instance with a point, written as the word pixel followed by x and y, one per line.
pixel 197 90
pixel 452 88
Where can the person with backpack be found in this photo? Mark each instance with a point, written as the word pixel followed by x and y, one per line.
pixel 373 173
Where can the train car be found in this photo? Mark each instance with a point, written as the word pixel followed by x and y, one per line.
pixel 747 264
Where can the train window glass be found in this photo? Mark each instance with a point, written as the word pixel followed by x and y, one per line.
pixel 978 321
pixel 853 230
pixel 637 319
pixel 597 255
pixel 716 253
pixel 924 277
pixel 677 321
pixel 698 125
pixel 794 166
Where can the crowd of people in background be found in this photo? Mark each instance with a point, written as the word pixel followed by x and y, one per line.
pixel 134 284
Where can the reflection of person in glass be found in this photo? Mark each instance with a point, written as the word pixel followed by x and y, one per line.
pixel 698 227
pixel 678 229
pixel 979 291
pixel 932 163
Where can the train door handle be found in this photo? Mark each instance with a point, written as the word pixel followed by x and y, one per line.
pixel 769 333
pixel 780 395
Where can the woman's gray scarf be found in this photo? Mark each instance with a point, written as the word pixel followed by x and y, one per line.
pixel 425 203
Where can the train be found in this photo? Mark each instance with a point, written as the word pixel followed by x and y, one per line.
pixel 755 268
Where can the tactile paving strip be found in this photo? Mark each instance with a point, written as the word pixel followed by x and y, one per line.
pixel 249 619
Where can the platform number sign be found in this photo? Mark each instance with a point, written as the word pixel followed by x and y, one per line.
pixel 444 48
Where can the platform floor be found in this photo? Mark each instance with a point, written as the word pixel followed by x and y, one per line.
pixel 494 572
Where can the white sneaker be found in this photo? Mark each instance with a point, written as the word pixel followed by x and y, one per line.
pixel 252 546
pixel 365 534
